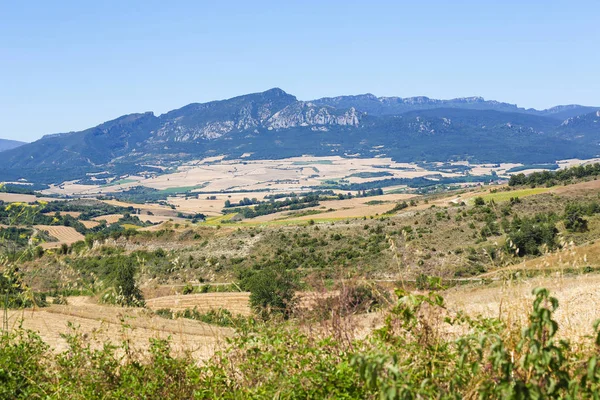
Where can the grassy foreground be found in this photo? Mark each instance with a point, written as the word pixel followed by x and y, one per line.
pixel 422 351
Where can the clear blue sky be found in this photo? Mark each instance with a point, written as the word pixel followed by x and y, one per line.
pixel 69 65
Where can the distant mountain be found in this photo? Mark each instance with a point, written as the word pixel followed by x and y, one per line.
pixel 397 105
pixel 274 124
pixel 569 111
pixel 584 127
pixel 6 144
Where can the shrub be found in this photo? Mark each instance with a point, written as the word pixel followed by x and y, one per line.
pixel 528 234
pixel 410 357
pixel 187 289
pixel 14 293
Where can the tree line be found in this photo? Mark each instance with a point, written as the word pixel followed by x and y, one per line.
pixel 551 178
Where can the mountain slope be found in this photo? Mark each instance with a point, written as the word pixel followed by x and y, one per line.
pixel 582 127
pixel 274 124
pixel 215 119
pixel 6 144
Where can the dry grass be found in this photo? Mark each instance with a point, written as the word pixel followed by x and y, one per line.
pixel 578 188
pixel 578 297
pixel 64 234
pixel 110 218
pixel 90 224
pixel 104 324
pixel 236 302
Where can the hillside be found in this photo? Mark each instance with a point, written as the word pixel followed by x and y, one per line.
pixel 6 144
pixel 315 299
pixel 274 124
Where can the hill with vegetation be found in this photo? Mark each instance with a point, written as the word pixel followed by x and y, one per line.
pixel 432 298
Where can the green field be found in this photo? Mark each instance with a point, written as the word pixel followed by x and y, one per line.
pixel 183 189
pixel 130 226
pixel 119 182
pixel 505 196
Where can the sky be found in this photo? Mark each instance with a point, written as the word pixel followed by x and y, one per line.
pixel 70 65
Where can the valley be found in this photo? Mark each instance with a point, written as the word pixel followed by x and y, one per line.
pixel 262 244
pixel 294 200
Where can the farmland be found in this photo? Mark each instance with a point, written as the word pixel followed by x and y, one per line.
pixel 212 177
pixel 64 235
pixel 347 264
pixel 102 325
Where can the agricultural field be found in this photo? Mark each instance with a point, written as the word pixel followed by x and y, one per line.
pixel 110 218
pixel 332 272
pixel 214 176
pixel 102 325
pixel 90 224
pixel 237 302
pixel 511 299
pixel 63 234
pixel 506 195
pixel 25 198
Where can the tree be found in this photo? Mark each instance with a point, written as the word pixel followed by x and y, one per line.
pixel 128 293
pixel 573 217
pixel 528 234
pixel 272 291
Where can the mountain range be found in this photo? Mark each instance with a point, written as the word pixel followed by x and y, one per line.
pixel 6 144
pixel 274 124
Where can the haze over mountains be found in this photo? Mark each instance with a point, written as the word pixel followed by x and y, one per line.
pixel 6 144
pixel 274 124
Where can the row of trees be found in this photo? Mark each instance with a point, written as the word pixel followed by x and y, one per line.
pixel 551 178
pixel 275 206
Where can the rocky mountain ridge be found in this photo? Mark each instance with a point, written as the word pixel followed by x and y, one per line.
pixel 275 124
pixel 396 105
